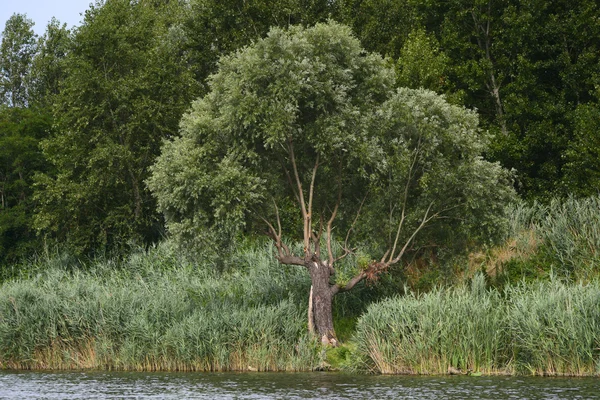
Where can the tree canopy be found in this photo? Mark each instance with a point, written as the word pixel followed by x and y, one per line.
pixel 304 137
pixel 125 87
pixel 16 54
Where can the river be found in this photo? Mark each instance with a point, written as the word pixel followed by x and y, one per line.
pixel 258 386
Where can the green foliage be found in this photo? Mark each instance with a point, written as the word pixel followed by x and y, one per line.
pixel 542 328
pixel 525 66
pixel 561 239
pixel 554 328
pixel 582 172
pixel 214 28
pixel 421 64
pixel 382 25
pixel 126 85
pixel 444 328
pixel 21 129
pixel 570 233
pixel 48 68
pixel 304 95
pixel 16 55
pixel 299 85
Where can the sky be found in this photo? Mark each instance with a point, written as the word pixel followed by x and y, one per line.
pixel 42 11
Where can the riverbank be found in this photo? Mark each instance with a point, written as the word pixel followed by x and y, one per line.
pixel 154 312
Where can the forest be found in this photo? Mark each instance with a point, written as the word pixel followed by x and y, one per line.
pixel 200 174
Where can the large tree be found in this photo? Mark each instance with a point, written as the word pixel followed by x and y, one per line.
pixel 303 136
pixel 126 84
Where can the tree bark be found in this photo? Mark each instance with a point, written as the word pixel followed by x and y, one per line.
pixel 322 301
pixel 311 318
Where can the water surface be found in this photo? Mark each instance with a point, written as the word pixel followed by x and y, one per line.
pixel 122 385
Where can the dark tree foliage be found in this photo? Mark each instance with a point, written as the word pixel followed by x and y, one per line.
pixel 21 129
pixel 215 28
pixel 126 85
pixel 525 65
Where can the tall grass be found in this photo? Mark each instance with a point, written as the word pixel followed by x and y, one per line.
pixel 561 238
pixel 546 328
pixel 155 311
pixel 571 232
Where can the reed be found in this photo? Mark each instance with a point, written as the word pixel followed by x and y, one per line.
pixel 156 311
pixel 546 328
pixel 561 238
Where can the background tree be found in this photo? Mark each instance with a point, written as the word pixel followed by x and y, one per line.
pixel 126 86
pixel 421 64
pixel 16 54
pixel 47 68
pixel 524 65
pixel 302 135
pixel 214 28
pixel 382 26
pixel 21 129
pixel 582 169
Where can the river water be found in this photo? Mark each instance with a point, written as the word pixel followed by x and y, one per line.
pixel 258 386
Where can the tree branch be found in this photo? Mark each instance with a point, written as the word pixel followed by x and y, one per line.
pixel 351 283
pixel 330 226
pixel 290 181
pixel 424 221
pixel 305 215
pixel 405 198
pixel 284 254
pixel 346 249
pixel 308 219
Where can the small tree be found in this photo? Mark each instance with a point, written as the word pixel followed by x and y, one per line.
pixel 303 135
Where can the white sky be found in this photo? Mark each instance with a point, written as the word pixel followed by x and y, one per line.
pixel 42 11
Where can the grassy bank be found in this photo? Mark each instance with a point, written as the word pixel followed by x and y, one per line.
pixel 561 238
pixel 548 328
pixel 157 310
pixel 154 312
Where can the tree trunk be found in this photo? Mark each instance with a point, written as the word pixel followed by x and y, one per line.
pixel 322 301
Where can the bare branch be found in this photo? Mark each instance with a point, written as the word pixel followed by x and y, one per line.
pixel 291 260
pixel 424 221
pixel 355 219
pixel 397 235
pixel 308 218
pixel 289 178
pixel 278 219
pixel 305 215
pixel 405 198
pixel 385 256
pixel 317 238
pixel 329 228
pixel 312 185
pixel 284 254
